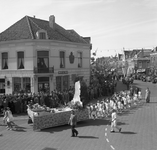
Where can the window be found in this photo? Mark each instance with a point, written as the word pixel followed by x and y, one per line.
pixel 20 60
pixel 5 60
pixel 43 84
pixel 43 61
pixel 26 85
pixel 65 83
pixel 79 59
pixel 22 84
pixel 42 35
pixel 62 59
pixel 17 84
pixel 140 64
pixel 62 83
pixel 58 83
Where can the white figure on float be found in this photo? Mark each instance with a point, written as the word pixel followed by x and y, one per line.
pixel 76 97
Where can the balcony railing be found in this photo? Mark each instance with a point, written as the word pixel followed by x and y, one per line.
pixel 44 70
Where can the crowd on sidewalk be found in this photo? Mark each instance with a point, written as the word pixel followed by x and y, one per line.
pixel 17 103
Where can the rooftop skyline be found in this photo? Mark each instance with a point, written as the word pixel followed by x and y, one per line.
pixel 111 24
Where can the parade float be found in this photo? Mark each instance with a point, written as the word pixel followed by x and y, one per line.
pixel 44 117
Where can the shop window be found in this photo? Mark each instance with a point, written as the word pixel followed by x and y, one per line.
pixel 73 76
pixel 65 83
pixel 79 59
pixel 17 85
pixel 58 83
pixel 5 60
pixel 2 86
pixel 62 59
pixel 20 60
pixel 62 83
pixel 22 85
pixel 43 61
pixel 27 85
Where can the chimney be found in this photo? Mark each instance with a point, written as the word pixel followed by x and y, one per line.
pixel 52 21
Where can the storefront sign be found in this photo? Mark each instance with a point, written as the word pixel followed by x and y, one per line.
pixel 141 70
pixel 62 72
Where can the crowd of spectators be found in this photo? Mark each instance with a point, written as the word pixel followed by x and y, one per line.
pixel 100 85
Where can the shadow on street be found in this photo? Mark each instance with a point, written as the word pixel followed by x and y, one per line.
pixel 47 148
pixel 128 132
pixel 90 137
pixel 90 122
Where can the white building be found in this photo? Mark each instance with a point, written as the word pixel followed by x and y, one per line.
pixel 41 55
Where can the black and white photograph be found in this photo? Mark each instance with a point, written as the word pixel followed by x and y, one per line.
pixel 78 74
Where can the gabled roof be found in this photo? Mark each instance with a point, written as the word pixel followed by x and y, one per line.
pixel 137 53
pixel 27 27
pixel 144 53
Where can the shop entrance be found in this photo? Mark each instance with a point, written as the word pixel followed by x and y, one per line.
pixel 62 83
pixel 43 84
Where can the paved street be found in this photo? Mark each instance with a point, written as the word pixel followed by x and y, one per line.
pixel 138 131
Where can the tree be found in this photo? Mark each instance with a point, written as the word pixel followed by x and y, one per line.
pixel 92 60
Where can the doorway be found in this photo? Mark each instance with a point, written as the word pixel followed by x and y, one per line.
pixel 43 84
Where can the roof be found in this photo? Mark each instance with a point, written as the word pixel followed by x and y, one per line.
pixel 137 53
pixel 27 27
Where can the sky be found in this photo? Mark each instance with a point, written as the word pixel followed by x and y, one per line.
pixel 113 25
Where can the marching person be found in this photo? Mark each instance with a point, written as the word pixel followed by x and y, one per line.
pixel 114 121
pixel 139 95
pixel 73 123
pixel 94 112
pixel 147 95
pixel 8 117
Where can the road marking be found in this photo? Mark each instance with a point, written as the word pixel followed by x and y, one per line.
pixel 107 140
pixel 105 134
pixel 112 147
pixel 106 129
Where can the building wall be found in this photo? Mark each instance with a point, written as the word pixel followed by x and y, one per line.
pixel 143 64
pixel 30 48
pixel 153 60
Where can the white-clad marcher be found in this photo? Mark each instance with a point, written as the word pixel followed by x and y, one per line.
pixel 114 121
pixel 139 95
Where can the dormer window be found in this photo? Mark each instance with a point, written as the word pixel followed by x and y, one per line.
pixel 41 34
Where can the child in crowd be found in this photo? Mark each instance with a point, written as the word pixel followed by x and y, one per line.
pixel 94 112
pixel 8 118
pixel 139 95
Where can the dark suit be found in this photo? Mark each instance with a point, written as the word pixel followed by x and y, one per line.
pixel 73 123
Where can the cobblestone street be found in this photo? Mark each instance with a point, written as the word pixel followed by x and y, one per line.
pixel 138 131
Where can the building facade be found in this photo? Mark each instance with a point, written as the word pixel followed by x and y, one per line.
pixel 138 60
pixel 39 55
pixel 153 63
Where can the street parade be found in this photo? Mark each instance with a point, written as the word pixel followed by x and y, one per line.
pixel 78 75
